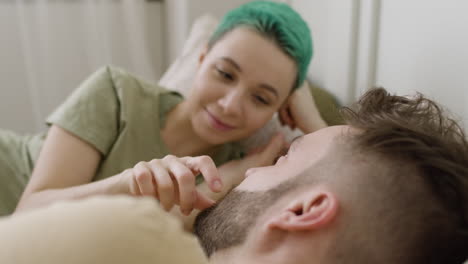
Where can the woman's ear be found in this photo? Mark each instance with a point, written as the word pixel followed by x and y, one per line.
pixel 203 54
pixel 311 211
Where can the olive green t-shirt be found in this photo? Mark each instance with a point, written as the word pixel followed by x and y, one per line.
pixel 122 117
pixel 114 111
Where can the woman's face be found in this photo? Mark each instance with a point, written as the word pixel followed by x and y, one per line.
pixel 240 83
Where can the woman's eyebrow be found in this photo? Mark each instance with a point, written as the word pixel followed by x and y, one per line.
pixel 232 62
pixel 269 88
pixel 262 85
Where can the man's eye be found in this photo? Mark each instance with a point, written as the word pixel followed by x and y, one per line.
pixel 279 157
pixel 276 159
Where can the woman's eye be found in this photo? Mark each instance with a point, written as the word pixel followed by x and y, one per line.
pixel 224 74
pixel 261 100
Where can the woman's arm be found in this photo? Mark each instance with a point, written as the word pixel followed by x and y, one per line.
pixel 67 164
pixel 301 111
pixel 63 170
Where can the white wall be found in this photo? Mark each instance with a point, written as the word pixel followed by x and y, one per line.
pixel 180 15
pixel 404 46
pixel 333 29
pixel 401 45
pixel 63 59
pixel 423 46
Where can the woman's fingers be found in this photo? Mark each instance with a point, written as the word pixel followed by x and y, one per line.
pixel 282 115
pixel 144 178
pixel 172 181
pixel 166 191
pixel 286 116
pixel 206 166
pixel 185 181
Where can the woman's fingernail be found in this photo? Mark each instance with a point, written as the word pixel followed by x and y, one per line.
pixel 217 185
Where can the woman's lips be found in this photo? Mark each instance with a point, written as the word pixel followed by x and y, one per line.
pixel 218 124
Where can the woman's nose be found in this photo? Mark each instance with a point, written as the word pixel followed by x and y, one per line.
pixel 231 102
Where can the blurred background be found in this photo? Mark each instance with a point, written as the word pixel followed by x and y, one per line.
pixel 49 46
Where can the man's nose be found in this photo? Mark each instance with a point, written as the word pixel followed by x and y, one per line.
pixel 231 102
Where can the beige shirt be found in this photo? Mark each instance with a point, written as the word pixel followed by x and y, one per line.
pixel 101 230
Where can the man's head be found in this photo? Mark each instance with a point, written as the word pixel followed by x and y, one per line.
pixel 390 187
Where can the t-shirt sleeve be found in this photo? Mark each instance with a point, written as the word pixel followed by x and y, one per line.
pixel 91 111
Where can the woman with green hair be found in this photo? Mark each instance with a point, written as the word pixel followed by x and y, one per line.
pixel 117 134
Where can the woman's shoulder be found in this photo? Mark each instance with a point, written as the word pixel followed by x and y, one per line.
pixel 127 80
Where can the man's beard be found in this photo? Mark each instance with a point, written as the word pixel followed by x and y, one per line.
pixel 227 223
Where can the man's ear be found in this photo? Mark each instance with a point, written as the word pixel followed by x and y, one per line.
pixel 311 211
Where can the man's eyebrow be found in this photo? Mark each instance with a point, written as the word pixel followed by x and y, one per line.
pixel 268 87
pixel 295 142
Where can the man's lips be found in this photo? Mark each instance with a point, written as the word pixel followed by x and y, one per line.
pixel 218 124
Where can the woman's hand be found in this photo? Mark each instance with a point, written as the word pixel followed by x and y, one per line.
pixel 172 181
pixel 233 173
pixel 300 111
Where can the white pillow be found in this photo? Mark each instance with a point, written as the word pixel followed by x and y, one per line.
pixel 181 72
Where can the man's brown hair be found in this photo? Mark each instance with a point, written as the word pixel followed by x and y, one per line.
pixel 418 132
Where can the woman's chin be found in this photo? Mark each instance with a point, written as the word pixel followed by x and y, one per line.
pixel 212 134
pixel 214 138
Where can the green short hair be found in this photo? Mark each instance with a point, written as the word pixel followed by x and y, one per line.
pixel 277 21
